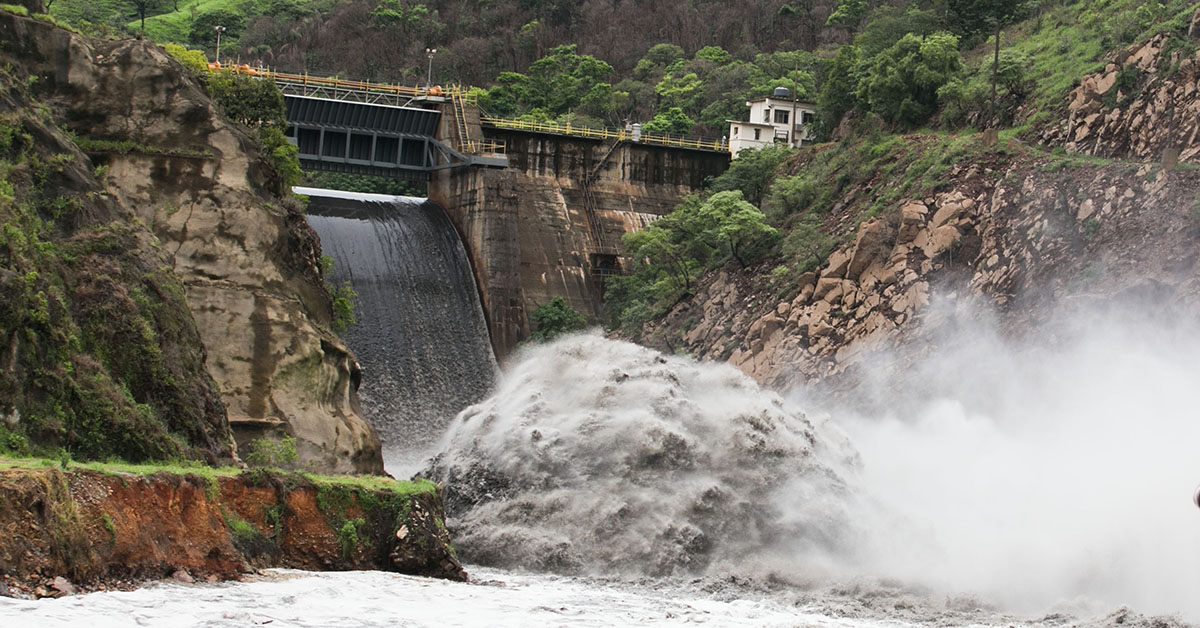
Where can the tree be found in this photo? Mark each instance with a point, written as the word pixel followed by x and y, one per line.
pixel 144 6
pixel 752 172
pixel 887 25
pixel 738 224
pixel 673 120
pixel 555 319
pixel 201 33
pixel 661 259
pixel 838 91
pixel 975 16
pixel 847 14
pixel 903 81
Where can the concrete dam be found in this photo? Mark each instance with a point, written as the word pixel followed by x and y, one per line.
pixel 540 209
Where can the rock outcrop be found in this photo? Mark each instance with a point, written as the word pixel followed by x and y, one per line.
pixel 1144 103
pixel 92 528
pixel 101 354
pixel 247 258
pixel 1026 235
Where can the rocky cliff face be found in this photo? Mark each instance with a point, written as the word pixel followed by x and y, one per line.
pixel 101 354
pixel 1024 234
pixel 1146 101
pixel 245 255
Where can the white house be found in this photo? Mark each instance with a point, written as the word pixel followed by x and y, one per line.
pixel 775 119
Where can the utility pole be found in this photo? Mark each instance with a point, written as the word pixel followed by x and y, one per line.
pixel 995 72
pixel 429 52
pixel 792 131
pixel 219 29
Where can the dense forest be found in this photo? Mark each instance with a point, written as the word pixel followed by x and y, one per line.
pixel 680 67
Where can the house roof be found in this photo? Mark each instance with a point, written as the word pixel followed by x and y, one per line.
pixel 764 125
pixel 783 101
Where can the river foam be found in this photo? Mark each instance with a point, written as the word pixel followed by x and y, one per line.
pixel 597 456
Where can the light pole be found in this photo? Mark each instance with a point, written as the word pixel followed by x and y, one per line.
pixel 429 52
pixel 219 29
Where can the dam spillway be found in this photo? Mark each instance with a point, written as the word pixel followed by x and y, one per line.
pixel 419 334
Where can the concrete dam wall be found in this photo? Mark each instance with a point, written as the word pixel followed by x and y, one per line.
pixel 547 225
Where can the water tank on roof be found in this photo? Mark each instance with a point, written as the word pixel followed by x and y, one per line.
pixel 782 92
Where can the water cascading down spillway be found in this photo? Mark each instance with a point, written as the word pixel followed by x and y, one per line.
pixel 419 331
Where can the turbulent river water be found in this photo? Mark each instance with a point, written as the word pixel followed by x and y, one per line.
pixel 996 482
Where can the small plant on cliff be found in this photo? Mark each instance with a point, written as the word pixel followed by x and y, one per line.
pixel 348 536
pixel 555 319
pixel 267 452
pixel 342 298
pixel 107 520
pixel 194 60
pixel 258 103
pixel 343 308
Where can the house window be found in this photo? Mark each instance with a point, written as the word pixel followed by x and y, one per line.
pixel 766 115
pixel 806 117
pixel 781 116
pixel 735 130
pixel 757 134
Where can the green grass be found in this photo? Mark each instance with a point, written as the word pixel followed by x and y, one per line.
pixel 175 26
pixel 1073 40
pixel 399 488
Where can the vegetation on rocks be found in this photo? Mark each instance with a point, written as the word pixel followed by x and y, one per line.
pixel 555 319
pixel 102 358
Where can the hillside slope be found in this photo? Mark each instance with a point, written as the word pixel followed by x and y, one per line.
pixel 929 228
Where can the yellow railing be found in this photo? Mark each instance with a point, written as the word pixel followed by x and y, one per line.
pixel 482 147
pixel 465 96
pixel 605 134
pixel 461 91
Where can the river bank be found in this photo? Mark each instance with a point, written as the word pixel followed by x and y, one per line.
pixel 102 526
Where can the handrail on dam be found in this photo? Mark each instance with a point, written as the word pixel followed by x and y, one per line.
pixel 334 88
pixel 607 134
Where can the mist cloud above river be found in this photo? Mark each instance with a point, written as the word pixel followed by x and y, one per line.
pixel 1043 471
pixel 1050 473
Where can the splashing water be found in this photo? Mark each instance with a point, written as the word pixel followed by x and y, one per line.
pixel 597 456
pixel 1034 471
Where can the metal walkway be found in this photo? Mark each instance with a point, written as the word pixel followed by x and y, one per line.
pixel 373 139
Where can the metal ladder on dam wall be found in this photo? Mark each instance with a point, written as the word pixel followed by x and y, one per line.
pixel 603 247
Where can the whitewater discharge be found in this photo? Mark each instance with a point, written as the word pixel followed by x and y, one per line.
pixel 1052 474
pixel 1053 470
pixel 604 457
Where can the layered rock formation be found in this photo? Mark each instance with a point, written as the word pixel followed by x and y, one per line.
pixel 91 527
pixel 101 354
pixel 248 260
pixel 1145 102
pixel 1025 235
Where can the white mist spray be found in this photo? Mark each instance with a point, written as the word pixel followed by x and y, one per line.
pixel 1056 470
